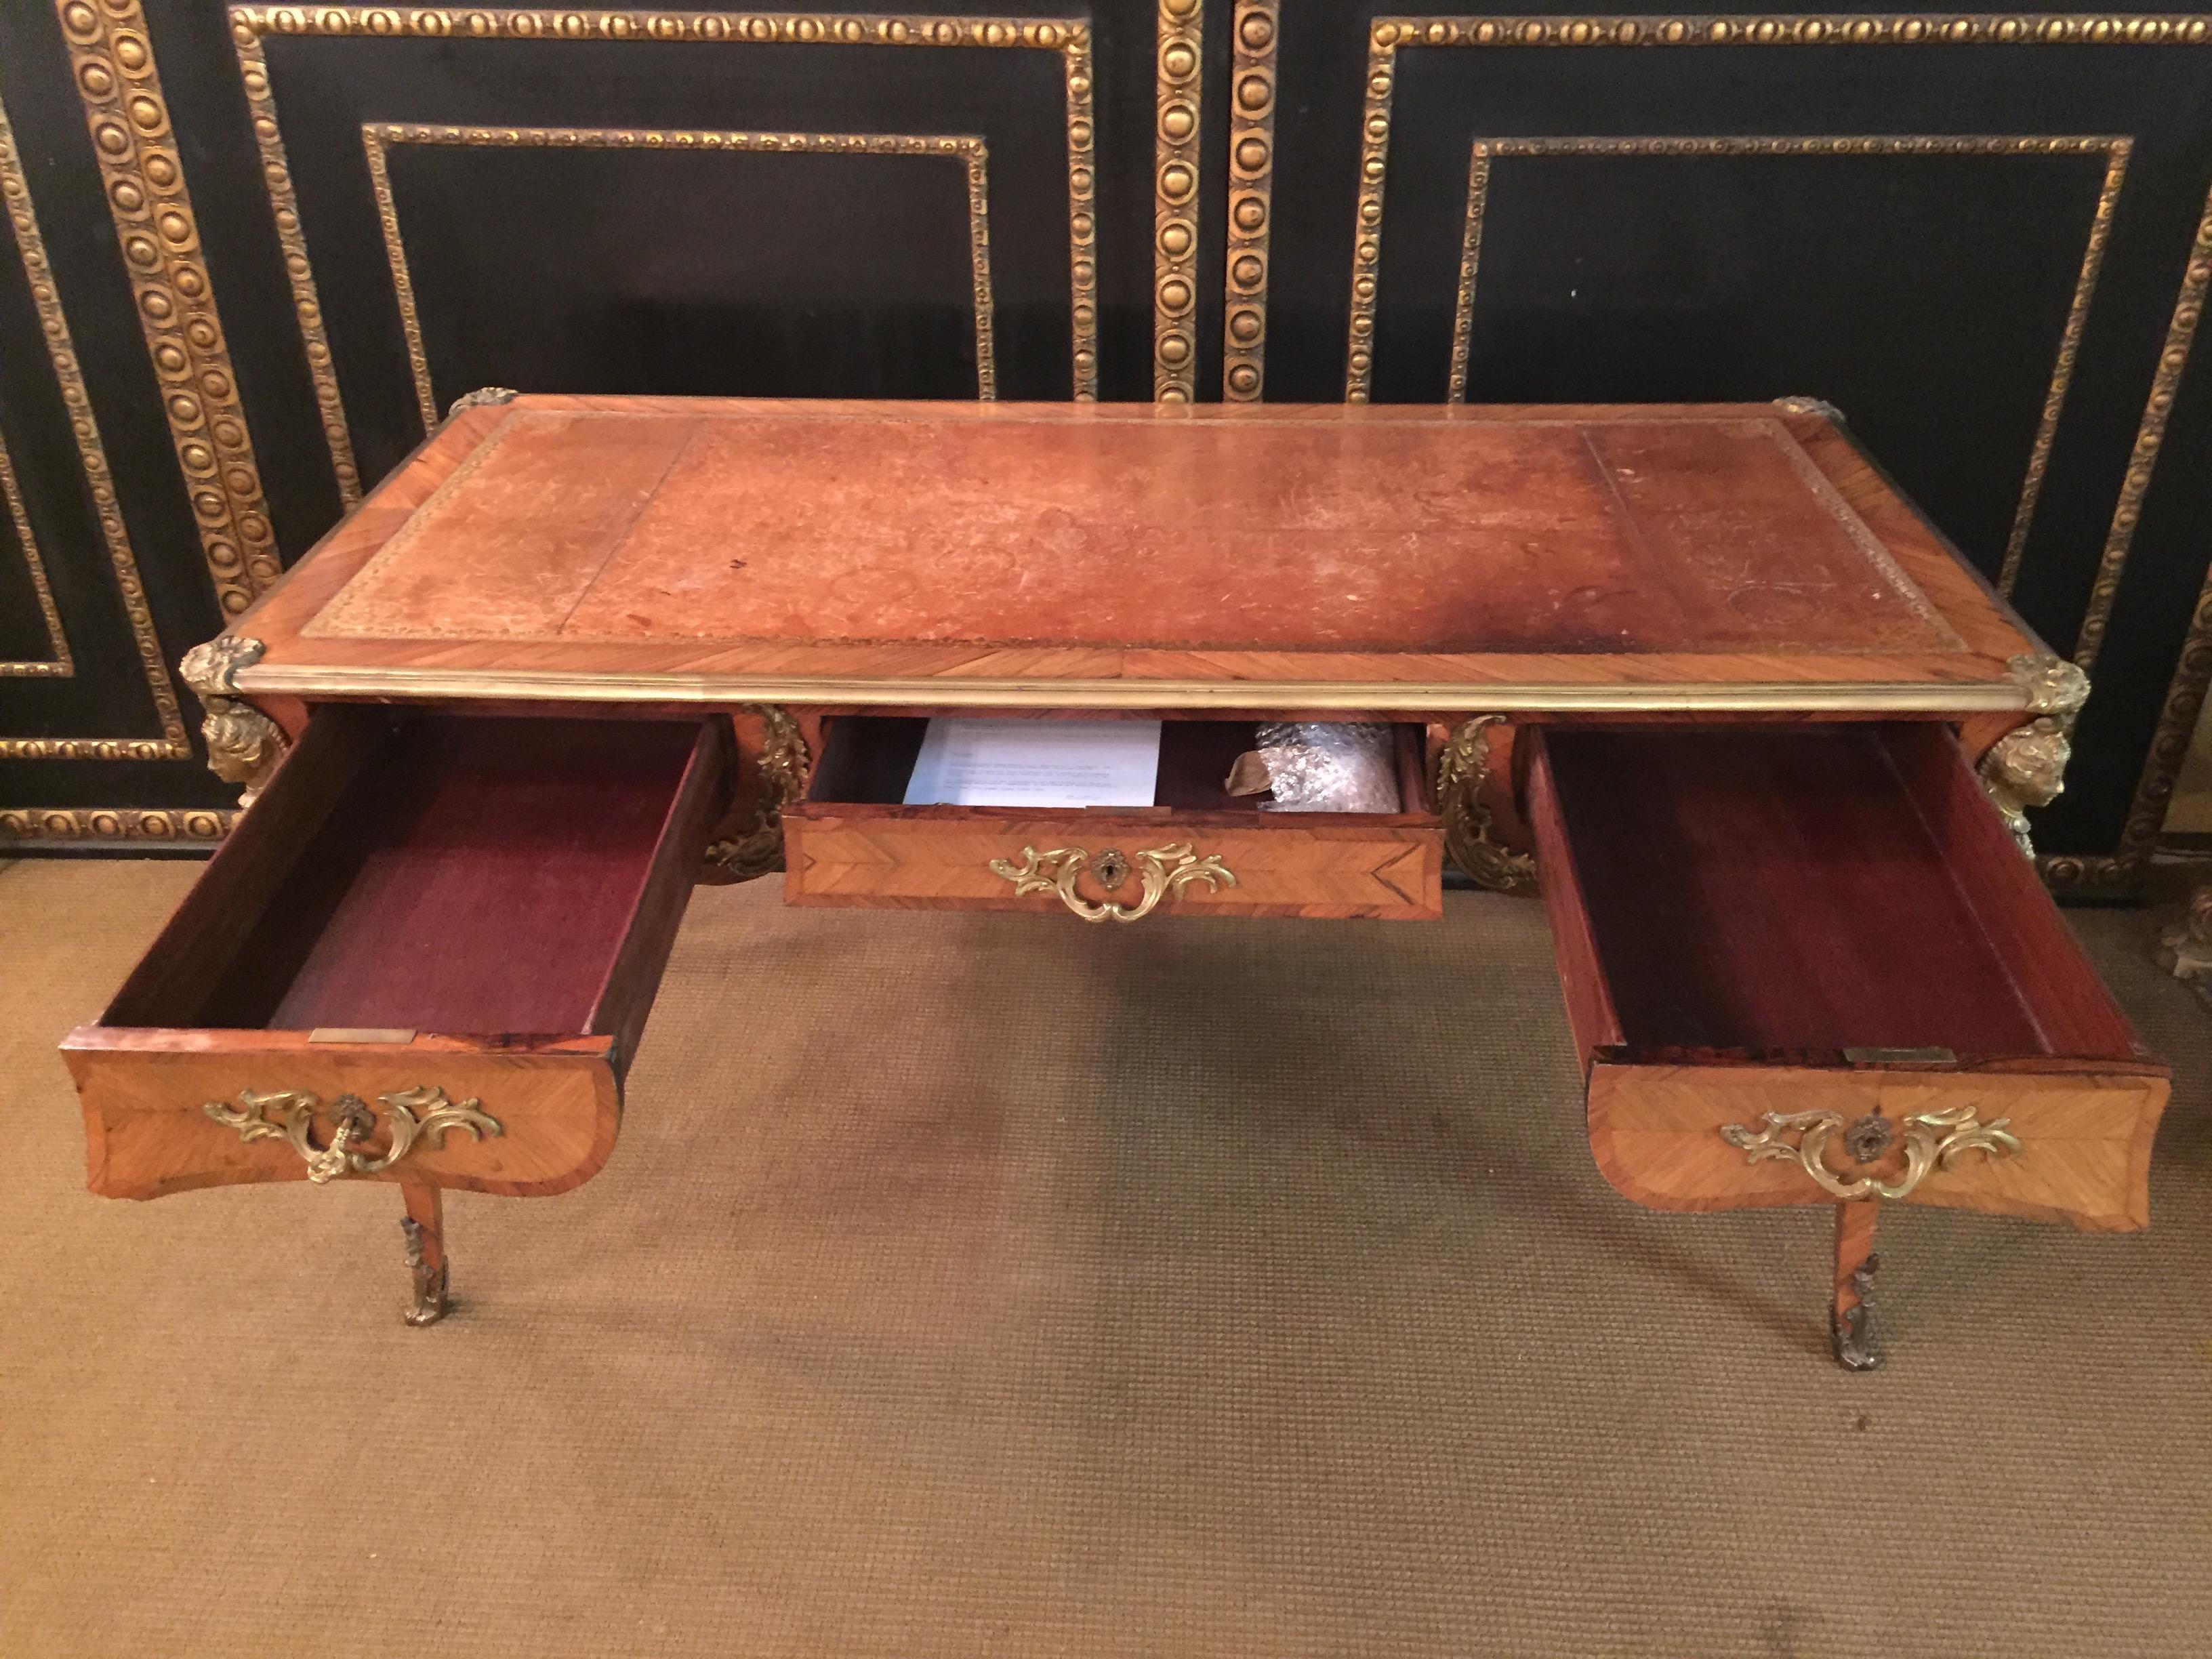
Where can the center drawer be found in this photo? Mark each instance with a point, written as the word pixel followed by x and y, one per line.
pixel 428 951
pixel 1200 852
pixel 1809 964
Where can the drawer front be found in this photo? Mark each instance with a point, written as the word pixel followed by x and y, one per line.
pixel 1164 865
pixel 219 1109
pixel 1810 967
pixel 2071 1145
pixel 428 952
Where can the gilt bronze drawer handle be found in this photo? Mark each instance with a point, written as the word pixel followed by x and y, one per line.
pixel 1164 870
pixel 1932 1140
pixel 288 1114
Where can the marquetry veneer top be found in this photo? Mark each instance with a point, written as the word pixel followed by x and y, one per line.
pixel 651 549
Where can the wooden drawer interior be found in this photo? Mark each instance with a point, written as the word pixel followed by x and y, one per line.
pixel 443 874
pixel 1826 888
pixel 420 908
pixel 867 760
pixel 1824 918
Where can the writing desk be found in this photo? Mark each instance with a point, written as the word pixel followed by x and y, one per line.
pixel 1699 671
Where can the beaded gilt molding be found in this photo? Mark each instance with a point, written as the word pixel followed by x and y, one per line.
pixel 185 826
pixel 378 138
pixel 1070 37
pixel 112 62
pixel 1251 198
pixel 1175 198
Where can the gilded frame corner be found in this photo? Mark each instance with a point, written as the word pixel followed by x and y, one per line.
pixel 377 138
pixel 1069 37
pixel 2116 150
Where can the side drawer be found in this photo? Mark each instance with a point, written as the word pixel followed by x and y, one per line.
pixel 1810 966
pixel 428 949
pixel 1205 852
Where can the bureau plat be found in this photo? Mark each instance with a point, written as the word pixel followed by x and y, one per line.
pixel 1696 672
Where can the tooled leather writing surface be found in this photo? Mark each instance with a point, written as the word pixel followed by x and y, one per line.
pixel 1533 535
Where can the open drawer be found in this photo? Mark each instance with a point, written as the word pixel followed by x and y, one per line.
pixel 1200 852
pixel 1809 964
pixel 428 950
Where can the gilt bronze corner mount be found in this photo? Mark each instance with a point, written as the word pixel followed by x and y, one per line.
pixel 2026 767
pixel 1462 771
pixel 785 767
pixel 244 745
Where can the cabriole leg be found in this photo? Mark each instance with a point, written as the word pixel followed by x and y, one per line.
pixel 425 1228
pixel 1851 1321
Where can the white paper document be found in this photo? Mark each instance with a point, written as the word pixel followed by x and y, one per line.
pixel 1023 762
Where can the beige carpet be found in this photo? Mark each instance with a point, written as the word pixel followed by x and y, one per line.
pixel 995 1285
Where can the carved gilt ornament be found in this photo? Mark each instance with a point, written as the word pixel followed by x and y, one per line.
pixel 1933 1141
pixel 1460 772
pixel 1163 871
pixel 785 768
pixel 414 1115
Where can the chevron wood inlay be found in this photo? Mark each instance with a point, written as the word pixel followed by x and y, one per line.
pixel 939 858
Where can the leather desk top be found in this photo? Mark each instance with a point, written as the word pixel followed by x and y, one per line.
pixel 1710 557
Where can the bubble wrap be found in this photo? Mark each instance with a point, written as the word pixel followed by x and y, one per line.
pixel 1332 767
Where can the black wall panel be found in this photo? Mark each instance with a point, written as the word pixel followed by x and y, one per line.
pixel 1932 222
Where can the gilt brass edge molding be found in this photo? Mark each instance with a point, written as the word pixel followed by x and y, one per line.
pixel 299 270
pixel 99 485
pixel 185 826
pixel 1804 29
pixel 711 28
pixel 2069 349
pixel 1068 36
pixel 2115 149
pixel 377 138
pixel 1470 263
pixel 61 664
pixel 1179 89
pixel 111 64
pixel 1253 34
pixel 265 679
pixel 373 142
pixel 2192 670
pixel 2150 436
